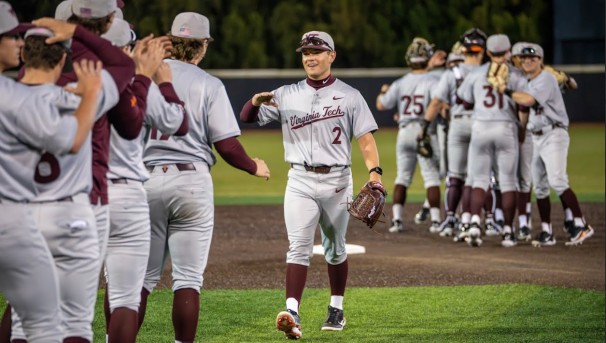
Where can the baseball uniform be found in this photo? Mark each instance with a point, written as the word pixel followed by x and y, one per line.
pixel 27 122
pixel 62 210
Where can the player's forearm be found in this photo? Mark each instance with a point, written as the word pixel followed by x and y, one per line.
pixel 85 116
pixel 370 154
pixel 116 62
pixel 233 153
pixel 249 112
pixel 521 98
pixel 170 95
pixel 127 116
pixel 433 109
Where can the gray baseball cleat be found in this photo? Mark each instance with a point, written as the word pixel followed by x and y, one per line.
pixel 335 321
pixel 421 216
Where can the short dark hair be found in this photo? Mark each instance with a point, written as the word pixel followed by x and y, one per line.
pixel 97 26
pixel 39 55
pixel 185 49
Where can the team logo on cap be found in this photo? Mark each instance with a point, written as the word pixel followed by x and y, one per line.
pixel 86 12
pixel 184 30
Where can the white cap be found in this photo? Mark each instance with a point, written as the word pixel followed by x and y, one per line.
pixel 8 19
pixel 310 40
pixel 498 43
pixel 44 32
pixel 119 33
pixel 64 10
pixel 531 49
pixel 93 8
pixel 191 25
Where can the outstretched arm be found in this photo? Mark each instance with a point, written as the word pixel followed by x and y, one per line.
pixel 233 153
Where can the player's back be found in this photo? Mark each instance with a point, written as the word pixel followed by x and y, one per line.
pixel 211 118
pixel 412 94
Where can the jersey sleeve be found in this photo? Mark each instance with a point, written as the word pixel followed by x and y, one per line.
pixel 267 114
pixel 161 114
pixel 542 88
pixel 390 98
pixel 363 120
pixel 222 121
pixel 443 88
pixel 465 91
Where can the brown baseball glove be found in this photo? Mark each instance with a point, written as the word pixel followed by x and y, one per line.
pixel 368 204
pixel 497 76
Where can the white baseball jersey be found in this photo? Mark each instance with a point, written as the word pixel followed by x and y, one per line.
pixel 25 129
pixel 412 94
pixel 319 135
pixel 61 176
pixel 446 90
pixel 489 104
pixel 126 156
pixel 550 107
pixel 204 94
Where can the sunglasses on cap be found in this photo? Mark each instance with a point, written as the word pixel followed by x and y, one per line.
pixel 529 51
pixel 315 41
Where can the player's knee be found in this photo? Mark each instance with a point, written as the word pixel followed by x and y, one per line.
pixel 541 192
pixel 183 284
pixel 335 259
pixel 508 186
pixel 455 182
pixel 560 188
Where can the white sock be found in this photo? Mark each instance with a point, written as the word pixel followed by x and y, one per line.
pixel 178 341
pixel 546 227
pixel 498 214
pixel 435 214
pixel 475 219
pixel 507 229
pixel 522 220
pixel 426 203
pixel 578 221
pixel 336 301
pixel 106 338
pixel 465 217
pixel 396 209
pixel 568 214
pixel 292 304
pixel 529 207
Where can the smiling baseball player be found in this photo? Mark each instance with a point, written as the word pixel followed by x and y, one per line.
pixel 319 116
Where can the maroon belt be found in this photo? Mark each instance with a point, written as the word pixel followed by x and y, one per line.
pixel 318 169
pixel 180 167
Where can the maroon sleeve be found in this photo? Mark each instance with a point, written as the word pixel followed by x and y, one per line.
pixel 233 153
pixel 523 108
pixel 127 116
pixel 467 105
pixel 249 113
pixel 168 91
pixel 115 61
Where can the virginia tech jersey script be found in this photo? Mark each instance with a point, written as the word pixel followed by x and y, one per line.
pixel 318 125
pixel 211 119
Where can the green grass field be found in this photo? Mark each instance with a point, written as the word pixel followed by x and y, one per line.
pixel 232 186
pixel 502 313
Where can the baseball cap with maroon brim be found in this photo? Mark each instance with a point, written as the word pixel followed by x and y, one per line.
pixel 316 40
pixel 498 44
pixel 191 25
pixel 93 9
pixel 531 49
pixel 9 24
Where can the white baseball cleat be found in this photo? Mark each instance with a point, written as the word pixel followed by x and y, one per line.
pixel 473 235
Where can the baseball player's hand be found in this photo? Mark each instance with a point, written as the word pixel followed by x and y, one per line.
pixel 89 78
pixel 262 169
pixel 264 98
pixel 166 45
pixel 163 74
pixel 420 135
pixel 62 30
pixel 148 55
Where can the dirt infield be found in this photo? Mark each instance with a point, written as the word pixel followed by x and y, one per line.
pixel 249 246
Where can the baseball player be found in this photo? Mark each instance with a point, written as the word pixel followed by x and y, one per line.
pixel 30 125
pixel 494 139
pixel 473 44
pixel 96 16
pixel 319 117
pixel 180 189
pixel 548 122
pixel 63 182
pixel 128 243
pixel 411 94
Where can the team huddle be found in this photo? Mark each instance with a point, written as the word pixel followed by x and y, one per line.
pixel 506 130
pixel 108 148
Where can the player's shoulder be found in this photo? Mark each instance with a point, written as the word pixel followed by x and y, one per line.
pixel 62 99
